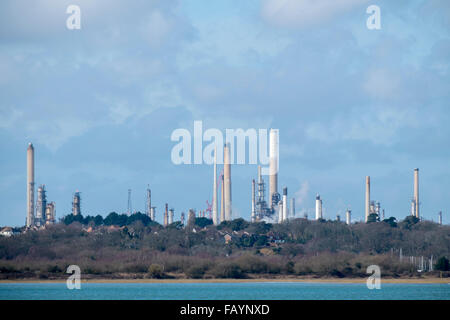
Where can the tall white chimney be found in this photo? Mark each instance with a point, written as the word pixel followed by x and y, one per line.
pixel 367 198
pixel 273 164
pixel 253 217
pixel 416 192
pixel 227 181
pixel 30 185
pixel 215 215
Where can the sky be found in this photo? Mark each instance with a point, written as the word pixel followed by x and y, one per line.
pixel 100 103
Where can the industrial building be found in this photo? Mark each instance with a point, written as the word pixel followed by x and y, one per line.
pixel 371 207
pixel 275 209
pixel 76 203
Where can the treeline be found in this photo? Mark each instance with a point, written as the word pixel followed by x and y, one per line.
pixel 112 219
pixel 234 249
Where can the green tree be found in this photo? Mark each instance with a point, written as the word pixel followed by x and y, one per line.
pixel 391 221
pixel 203 222
pixel 373 217
pixel 98 220
pixel 238 224
pixel 71 218
pixel 155 271
pixel 111 219
pixel 442 264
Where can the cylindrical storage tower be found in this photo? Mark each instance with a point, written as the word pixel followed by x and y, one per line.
pixel 285 206
pixel 348 217
pixel 318 207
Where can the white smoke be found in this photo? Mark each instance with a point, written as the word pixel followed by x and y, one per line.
pixel 301 194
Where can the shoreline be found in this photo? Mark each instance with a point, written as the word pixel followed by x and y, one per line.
pixel 264 280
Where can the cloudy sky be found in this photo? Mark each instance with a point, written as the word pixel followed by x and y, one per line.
pixel 100 103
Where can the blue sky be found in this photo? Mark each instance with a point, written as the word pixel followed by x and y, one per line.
pixel 100 103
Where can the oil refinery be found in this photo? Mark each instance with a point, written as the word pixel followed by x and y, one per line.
pixel 277 209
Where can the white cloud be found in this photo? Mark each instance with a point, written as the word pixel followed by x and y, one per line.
pixel 301 13
pixel 377 125
pixel 382 83
pixel 9 117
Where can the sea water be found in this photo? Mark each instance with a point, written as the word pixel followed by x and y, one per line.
pixel 224 291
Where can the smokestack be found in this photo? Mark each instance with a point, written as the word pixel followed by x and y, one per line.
pixel 440 217
pixel 416 192
pixel 253 202
pixel 367 197
pixel 166 215
pixel 273 165
pixel 227 181
pixel 222 203
pixel 348 217
pixel 30 185
pixel 285 206
pixel 149 202
pixel 318 207
pixel 215 216
pixel 292 208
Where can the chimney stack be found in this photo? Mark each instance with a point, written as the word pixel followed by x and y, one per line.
pixel 227 181
pixel 367 198
pixel 215 216
pixel 416 192
pixel 273 165
pixel 30 185
pixel 253 216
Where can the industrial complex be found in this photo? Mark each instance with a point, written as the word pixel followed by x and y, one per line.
pixel 275 208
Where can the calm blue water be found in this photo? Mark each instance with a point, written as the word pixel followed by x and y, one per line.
pixel 224 291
